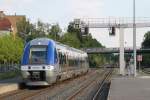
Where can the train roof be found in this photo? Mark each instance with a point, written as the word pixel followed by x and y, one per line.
pixel 45 41
pixel 41 41
pixel 69 48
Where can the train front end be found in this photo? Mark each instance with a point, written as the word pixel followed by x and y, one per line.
pixel 38 63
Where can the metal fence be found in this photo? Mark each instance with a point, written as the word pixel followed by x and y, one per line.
pixel 9 67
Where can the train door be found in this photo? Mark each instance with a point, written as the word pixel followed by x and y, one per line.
pixel 57 61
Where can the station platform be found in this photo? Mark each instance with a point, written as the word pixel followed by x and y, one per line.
pixel 130 88
pixel 10 85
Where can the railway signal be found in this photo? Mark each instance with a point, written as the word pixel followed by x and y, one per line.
pixel 84 31
pixel 112 31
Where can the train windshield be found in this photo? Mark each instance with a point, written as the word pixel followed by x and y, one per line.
pixel 38 55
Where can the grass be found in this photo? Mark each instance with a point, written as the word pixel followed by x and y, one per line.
pixel 8 75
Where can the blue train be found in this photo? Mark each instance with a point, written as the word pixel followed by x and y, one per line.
pixel 45 62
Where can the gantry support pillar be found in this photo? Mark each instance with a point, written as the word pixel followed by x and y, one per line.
pixel 121 55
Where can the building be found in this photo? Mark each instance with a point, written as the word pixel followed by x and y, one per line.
pixel 5 26
pixel 8 23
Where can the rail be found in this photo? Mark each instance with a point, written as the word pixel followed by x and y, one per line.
pixel 100 91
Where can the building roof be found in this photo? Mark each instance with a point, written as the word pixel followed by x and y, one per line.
pixel 5 24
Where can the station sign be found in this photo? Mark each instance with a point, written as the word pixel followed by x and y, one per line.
pixel 139 57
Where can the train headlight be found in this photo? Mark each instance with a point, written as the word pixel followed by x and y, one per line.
pixel 43 67
pixel 29 67
pixel 50 67
pixel 24 67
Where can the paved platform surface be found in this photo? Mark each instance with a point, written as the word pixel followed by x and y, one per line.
pixel 130 88
pixel 10 85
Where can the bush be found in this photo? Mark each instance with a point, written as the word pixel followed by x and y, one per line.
pixel 10 49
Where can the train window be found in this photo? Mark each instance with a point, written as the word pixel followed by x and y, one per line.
pixel 38 55
pixel 64 59
pixel 56 58
pixel 60 58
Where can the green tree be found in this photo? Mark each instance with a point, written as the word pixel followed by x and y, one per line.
pixel 55 29
pixel 71 29
pixel 71 40
pixel 24 28
pixel 40 29
pixel 55 32
pixel 146 44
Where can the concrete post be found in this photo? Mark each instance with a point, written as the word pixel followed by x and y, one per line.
pixel 134 37
pixel 121 56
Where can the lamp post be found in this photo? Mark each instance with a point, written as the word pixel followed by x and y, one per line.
pixel 134 37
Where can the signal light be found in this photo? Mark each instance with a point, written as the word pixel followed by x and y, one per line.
pixel 84 31
pixel 112 31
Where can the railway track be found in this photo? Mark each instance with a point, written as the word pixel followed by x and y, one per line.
pixel 67 90
pixel 100 82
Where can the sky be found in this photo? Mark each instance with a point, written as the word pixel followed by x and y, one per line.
pixel 64 11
